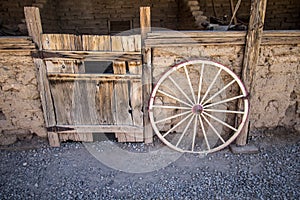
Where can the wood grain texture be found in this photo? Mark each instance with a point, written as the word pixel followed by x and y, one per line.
pixel 45 93
pixel 53 138
pixel 251 55
pixel 145 24
pixel 34 25
pixel 67 42
pixel 96 43
pixel 104 104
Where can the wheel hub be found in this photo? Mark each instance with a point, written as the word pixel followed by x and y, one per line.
pixel 197 109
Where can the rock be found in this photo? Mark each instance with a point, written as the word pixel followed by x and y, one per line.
pixel 7 139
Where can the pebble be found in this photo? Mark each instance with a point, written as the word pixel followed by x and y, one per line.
pixel 70 172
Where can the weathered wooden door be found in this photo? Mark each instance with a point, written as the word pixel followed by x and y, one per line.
pixel 86 92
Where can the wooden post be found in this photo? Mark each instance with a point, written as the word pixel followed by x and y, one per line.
pixel 232 12
pixel 145 23
pixel 252 48
pixel 34 25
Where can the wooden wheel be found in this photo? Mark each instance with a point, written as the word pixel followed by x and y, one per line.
pixel 193 107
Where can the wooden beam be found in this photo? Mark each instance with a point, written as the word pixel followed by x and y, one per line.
pixel 145 23
pixel 91 55
pixel 34 25
pixel 100 128
pixel 87 77
pixel 251 55
pixel 45 93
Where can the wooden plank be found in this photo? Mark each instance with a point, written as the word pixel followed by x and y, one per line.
pixel 251 55
pixel 145 24
pixel 116 43
pixel 99 77
pixel 84 103
pixel 104 104
pixel 62 95
pixel 101 128
pixel 136 100
pixel 121 107
pixel 61 42
pixel 121 96
pixel 74 136
pixel 34 25
pixel 200 38
pixel 96 43
pixel 45 93
pixel 93 56
pixel 53 139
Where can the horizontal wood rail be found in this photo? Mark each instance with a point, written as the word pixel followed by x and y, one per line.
pixel 99 128
pixel 91 55
pixel 187 38
pixel 98 77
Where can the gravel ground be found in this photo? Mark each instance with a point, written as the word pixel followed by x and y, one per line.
pixel 33 170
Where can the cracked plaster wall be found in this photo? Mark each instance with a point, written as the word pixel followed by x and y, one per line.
pixel 20 107
pixel 275 96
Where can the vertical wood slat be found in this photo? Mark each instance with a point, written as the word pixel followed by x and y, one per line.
pixel 53 138
pixel 145 24
pixel 45 93
pixel 67 42
pixel 121 103
pixel 34 25
pixel 118 43
pixel 136 100
pixel 96 43
pixel 104 104
pixel 254 35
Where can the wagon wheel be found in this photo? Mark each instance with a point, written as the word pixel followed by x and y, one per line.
pixel 193 107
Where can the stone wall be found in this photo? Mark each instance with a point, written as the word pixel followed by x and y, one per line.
pixel 275 96
pixel 20 107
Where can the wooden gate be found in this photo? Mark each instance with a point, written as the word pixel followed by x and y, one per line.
pixel 91 84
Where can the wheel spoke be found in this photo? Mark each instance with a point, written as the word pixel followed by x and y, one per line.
pixel 184 131
pixel 194 135
pixel 219 92
pixel 190 84
pixel 173 128
pixel 179 88
pixel 172 107
pixel 172 117
pixel 213 128
pixel 223 101
pixel 172 97
pixel 200 83
pixel 220 121
pixel 225 111
pixel 210 86
pixel 204 132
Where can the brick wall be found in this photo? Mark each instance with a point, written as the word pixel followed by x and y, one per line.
pixel 91 16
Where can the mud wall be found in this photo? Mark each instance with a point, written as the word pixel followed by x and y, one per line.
pixel 275 96
pixel 20 107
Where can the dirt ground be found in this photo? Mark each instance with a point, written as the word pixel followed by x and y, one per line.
pixel 33 170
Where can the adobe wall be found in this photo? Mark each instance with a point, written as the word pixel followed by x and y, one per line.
pixel 275 97
pixel 20 107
